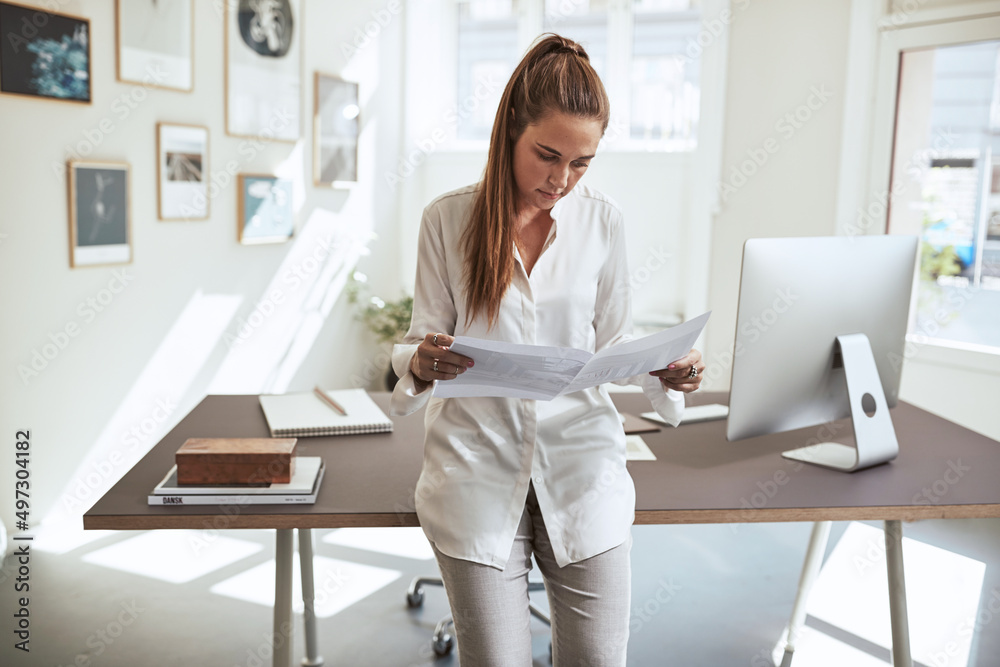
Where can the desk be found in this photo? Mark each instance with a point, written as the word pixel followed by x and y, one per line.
pixel 698 477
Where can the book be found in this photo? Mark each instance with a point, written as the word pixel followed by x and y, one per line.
pixel 302 489
pixel 304 414
pixel 242 461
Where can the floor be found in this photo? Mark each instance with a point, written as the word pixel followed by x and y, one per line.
pixel 702 595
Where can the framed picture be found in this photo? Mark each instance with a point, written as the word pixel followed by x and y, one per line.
pixel 44 54
pixel 263 65
pixel 335 131
pixel 156 43
pixel 265 209
pixel 99 220
pixel 182 171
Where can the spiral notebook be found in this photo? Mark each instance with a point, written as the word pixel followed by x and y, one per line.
pixel 305 414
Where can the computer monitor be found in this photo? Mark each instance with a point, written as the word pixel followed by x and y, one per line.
pixel 820 335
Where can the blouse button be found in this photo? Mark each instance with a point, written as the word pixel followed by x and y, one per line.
pixel 538 479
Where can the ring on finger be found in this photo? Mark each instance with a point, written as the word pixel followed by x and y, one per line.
pixel 435 367
pixel 693 374
pixel 435 341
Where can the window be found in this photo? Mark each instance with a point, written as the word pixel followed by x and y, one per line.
pixel 583 21
pixel 946 188
pixel 488 50
pixel 664 73
pixel 647 52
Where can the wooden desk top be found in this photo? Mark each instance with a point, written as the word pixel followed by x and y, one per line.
pixel 943 471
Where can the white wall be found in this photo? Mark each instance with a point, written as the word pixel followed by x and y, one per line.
pixel 780 52
pixel 157 347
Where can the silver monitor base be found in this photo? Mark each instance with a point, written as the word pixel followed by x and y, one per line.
pixel 874 434
pixel 831 455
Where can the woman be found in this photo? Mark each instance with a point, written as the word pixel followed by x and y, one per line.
pixel 524 256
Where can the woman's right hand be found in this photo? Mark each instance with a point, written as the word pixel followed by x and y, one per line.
pixel 434 361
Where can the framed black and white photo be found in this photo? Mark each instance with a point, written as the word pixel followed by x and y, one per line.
pixel 265 208
pixel 99 220
pixel 44 54
pixel 335 131
pixel 182 170
pixel 263 69
pixel 156 43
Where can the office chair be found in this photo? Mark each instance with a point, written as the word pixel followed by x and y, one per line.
pixel 444 638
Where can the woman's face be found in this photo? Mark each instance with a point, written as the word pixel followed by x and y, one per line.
pixel 550 156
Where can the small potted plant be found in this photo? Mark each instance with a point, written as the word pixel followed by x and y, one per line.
pixel 387 320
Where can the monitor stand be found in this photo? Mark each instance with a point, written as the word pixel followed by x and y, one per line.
pixel 874 435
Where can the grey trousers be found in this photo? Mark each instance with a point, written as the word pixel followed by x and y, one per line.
pixel 588 602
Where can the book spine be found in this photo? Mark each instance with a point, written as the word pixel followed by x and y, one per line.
pixel 174 501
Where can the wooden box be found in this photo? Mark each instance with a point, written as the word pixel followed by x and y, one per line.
pixel 235 461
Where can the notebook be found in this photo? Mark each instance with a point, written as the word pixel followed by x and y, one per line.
pixel 305 414
pixel 302 489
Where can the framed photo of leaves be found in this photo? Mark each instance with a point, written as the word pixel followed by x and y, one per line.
pixel 44 54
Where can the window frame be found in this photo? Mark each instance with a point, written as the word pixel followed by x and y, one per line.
pixel 881 42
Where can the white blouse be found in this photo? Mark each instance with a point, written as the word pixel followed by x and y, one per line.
pixel 480 454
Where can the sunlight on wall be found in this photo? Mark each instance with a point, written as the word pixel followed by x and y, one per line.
pixel 268 345
pixel 147 411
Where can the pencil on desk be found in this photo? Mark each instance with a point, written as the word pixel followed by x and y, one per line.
pixel 323 396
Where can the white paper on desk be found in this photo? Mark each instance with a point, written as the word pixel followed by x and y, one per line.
pixel 542 372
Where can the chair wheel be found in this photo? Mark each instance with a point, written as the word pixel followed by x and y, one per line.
pixel 414 600
pixel 443 645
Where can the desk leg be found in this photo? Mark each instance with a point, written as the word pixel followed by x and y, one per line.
pixel 897 595
pixel 810 570
pixel 308 597
pixel 283 554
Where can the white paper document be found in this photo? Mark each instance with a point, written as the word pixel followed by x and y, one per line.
pixel 514 370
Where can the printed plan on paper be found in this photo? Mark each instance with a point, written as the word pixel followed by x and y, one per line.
pixel 537 371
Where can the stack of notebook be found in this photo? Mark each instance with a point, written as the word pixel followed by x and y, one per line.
pixel 303 487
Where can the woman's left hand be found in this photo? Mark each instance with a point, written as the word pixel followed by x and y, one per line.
pixel 678 375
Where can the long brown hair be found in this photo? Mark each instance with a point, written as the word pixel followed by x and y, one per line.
pixel 555 75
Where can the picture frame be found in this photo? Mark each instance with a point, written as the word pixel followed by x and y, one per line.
pixel 45 54
pixel 336 126
pixel 265 212
pixel 263 86
pixel 182 171
pixel 100 227
pixel 154 43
